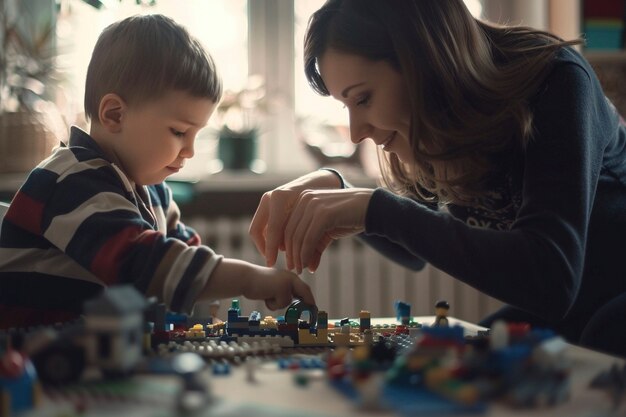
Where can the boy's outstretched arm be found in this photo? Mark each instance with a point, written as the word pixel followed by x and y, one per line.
pixel 233 277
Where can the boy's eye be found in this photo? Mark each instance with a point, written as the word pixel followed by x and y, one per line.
pixel 177 133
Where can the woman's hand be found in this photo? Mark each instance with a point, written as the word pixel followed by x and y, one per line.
pixel 268 224
pixel 317 218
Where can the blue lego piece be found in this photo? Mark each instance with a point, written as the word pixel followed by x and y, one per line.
pixel 238 325
pixel 410 400
pixel 283 363
pixel 221 368
pixel 236 322
pixel 403 311
pixel 451 333
pixel 508 359
pixel 313 362
pixel 175 318
pixel 254 316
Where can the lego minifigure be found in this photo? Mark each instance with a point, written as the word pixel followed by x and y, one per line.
pixel 214 308
pixel 368 337
pixel 19 387
pixel 441 313
pixel 365 320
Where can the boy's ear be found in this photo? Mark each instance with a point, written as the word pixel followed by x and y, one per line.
pixel 111 112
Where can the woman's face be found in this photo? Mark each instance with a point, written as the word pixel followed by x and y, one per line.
pixel 376 97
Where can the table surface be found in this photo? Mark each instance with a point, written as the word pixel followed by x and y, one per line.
pixel 275 389
pixel 273 392
pixel 470 329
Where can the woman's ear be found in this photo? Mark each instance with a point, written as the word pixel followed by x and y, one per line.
pixel 111 112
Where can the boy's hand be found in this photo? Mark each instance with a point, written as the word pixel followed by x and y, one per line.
pixel 233 278
pixel 277 287
pixel 268 225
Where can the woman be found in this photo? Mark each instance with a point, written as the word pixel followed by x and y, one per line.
pixel 504 163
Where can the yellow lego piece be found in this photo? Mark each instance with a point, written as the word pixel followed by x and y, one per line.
pixel 269 322
pixel 197 331
pixel 307 338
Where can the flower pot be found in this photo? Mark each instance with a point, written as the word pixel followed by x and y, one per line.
pixel 27 138
pixel 237 150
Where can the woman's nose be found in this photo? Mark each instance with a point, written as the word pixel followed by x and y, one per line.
pixel 359 129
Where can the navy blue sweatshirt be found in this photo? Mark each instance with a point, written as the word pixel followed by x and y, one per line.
pixel 552 240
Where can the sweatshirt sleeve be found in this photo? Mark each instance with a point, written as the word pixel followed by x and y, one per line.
pixel 92 218
pixel 537 265
pixel 381 244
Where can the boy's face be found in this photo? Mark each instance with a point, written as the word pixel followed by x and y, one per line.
pixel 157 136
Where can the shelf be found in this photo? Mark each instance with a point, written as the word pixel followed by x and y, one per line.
pixel 228 193
pixel 605 56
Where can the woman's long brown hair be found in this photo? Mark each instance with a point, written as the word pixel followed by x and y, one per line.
pixel 470 85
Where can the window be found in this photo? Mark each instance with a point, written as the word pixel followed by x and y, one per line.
pixel 244 37
pixel 217 24
pixel 220 25
pixel 313 110
pixel 306 99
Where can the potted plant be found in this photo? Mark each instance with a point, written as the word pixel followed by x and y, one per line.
pixel 239 116
pixel 30 124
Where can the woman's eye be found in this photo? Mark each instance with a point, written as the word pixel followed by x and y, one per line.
pixel 177 133
pixel 363 101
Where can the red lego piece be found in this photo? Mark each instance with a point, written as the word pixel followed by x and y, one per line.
pixel 518 331
pixel 402 329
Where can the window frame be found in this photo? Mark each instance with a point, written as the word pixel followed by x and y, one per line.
pixel 271 54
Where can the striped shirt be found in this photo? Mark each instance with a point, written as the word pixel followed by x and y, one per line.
pixel 79 224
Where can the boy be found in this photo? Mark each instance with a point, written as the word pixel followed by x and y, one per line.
pixel 97 213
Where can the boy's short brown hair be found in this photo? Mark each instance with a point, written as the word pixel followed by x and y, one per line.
pixel 142 57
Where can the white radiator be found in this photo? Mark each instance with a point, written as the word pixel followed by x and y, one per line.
pixel 352 277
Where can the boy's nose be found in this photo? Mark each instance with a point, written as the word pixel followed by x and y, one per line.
pixel 188 150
